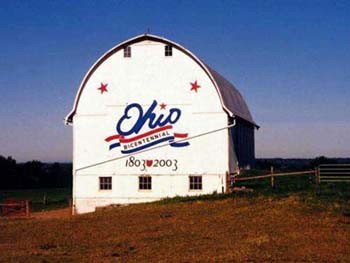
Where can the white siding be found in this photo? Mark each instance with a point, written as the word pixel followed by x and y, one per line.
pixel 148 75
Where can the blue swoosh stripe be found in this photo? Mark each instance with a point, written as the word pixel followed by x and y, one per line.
pixel 149 145
pixel 114 145
pixel 179 144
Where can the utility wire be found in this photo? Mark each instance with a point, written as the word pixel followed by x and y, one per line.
pixel 157 147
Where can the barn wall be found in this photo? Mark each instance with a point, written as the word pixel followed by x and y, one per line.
pixel 243 140
pixel 125 189
pixel 147 76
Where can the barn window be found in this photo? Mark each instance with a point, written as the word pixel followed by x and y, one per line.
pixel 145 183
pixel 105 183
pixel 195 182
pixel 168 51
pixel 127 52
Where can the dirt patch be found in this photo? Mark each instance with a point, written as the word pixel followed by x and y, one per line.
pixel 59 213
pixel 240 229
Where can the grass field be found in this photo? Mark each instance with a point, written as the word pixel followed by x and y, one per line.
pixel 41 199
pixel 296 221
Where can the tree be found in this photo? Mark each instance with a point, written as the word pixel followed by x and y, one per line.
pixel 321 160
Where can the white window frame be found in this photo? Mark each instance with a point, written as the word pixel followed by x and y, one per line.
pixel 194 184
pixel 168 50
pixel 145 184
pixel 127 52
pixel 103 185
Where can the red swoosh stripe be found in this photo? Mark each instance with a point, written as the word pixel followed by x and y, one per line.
pixel 113 137
pixel 180 135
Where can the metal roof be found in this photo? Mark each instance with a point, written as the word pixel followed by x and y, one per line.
pixel 231 100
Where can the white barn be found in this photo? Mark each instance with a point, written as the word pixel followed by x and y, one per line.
pixel 151 120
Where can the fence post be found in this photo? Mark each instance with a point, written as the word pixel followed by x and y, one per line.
pixel 228 182
pixel 44 200
pixel 70 207
pixel 27 209
pixel 272 178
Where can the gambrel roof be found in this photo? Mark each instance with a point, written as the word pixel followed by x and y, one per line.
pixel 231 99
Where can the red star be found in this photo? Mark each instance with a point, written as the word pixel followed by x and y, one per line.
pixel 103 88
pixel 162 106
pixel 195 86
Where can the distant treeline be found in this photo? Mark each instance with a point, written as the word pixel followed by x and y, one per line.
pixel 296 164
pixel 33 174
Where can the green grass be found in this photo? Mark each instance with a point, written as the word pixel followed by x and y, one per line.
pixel 55 197
pixel 335 196
pixel 304 187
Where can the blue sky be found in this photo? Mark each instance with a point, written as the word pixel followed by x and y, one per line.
pixel 289 59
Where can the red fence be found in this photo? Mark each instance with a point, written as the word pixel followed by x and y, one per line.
pixel 15 208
